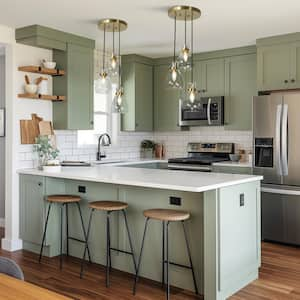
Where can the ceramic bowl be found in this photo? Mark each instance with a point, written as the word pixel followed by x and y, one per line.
pixel 234 157
pixel 52 169
pixel 31 88
pixel 49 64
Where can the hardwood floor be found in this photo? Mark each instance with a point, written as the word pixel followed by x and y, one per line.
pixel 279 278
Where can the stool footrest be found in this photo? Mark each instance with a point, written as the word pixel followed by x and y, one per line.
pixel 75 239
pixel 178 265
pixel 122 251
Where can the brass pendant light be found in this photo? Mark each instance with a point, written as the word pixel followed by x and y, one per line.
pixel 114 68
pixel 186 13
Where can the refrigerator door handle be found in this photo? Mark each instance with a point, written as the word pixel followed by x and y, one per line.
pixel 284 140
pixel 278 138
pixel 208 111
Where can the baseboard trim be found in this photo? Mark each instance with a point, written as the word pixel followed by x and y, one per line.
pixel 11 245
pixel 2 222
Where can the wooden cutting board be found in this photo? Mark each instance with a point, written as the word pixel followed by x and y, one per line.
pixel 45 128
pixel 30 129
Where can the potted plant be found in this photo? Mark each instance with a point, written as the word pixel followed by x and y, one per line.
pixel 47 154
pixel 147 148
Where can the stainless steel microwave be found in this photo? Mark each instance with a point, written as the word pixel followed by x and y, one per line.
pixel 209 111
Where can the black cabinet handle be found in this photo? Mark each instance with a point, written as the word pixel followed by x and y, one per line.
pixel 40 184
pixel 293 80
pixel 286 81
pixel 136 125
pixel 203 91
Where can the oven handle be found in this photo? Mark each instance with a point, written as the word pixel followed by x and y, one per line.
pixel 188 167
pixel 208 111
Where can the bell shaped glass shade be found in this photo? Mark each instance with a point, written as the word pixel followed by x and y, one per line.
pixel 183 60
pixel 119 104
pixel 189 98
pixel 174 78
pixel 103 84
pixel 113 65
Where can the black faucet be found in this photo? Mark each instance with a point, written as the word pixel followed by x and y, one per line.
pixel 106 141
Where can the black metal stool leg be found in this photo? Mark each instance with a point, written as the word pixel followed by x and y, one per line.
pixel 130 241
pixel 140 258
pixel 168 275
pixel 190 257
pixel 67 228
pixel 86 242
pixel 163 254
pixel 108 257
pixel 84 232
pixel 44 233
pixel 61 236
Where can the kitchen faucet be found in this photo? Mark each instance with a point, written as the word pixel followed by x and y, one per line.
pixel 106 141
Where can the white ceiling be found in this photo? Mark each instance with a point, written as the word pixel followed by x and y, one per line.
pixel 223 24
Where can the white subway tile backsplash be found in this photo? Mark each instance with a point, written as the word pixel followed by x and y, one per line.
pixel 128 144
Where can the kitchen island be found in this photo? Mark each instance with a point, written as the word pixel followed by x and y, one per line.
pixel 224 229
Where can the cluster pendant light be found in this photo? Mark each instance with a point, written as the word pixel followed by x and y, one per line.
pixel 103 84
pixel 184 61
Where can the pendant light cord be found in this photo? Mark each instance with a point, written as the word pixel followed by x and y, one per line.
pixel 103 54
pixel 174 49
pixel 120 79
pixel 113 39
pixel 185 29
pixel 192 47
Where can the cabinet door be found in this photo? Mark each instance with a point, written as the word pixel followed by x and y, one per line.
pixel 80 87
pixel 32 208
pixel 240 89
pixel 143 97
pixel 295 66
pixel 166 101
pixel 273 67
pixel 212 77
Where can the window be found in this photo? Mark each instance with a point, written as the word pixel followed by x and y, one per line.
pixel 102 120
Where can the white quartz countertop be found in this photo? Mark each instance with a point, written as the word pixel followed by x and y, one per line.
pixel 233 164
pixel 150 178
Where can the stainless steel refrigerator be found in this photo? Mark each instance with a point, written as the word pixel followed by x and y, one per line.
pixel 276 132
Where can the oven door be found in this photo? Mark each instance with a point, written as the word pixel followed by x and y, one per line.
pixel 208 112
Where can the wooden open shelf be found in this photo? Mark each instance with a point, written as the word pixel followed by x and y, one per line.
pixel 41 70
pixel 42 97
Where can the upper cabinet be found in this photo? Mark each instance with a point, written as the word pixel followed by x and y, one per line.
pixel 240 87
pixel 137 77
pixel 278 63
pixel 210 77
pixel 75 55
pixel 166 101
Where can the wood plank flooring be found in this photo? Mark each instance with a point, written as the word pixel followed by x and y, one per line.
pixel 279 278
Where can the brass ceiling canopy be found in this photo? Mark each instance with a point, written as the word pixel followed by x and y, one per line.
pixel 112 25
pixel 184 13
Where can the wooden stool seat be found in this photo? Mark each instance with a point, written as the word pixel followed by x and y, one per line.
pixel 166 214
pixel 108 205
pixel 63 198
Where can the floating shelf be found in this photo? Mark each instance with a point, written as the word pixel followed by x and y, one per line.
pixel 42 97
pixel 41 70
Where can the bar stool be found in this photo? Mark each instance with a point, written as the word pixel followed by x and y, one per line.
pixel 166 216
pixel 63 200
pixel 109 207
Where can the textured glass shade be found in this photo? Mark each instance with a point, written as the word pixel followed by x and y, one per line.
pixel 190 98
pixel 184 59
pixel 103 84
pixel 113 65
pixel 119 104
pixel 174 77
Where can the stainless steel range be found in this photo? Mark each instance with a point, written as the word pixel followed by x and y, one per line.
pixel 201 156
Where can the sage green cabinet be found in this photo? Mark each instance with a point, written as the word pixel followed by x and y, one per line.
pixel 210 77
pixel 240 87
pixel 278 66
pixel 138 92
pixel 232 170
pixel 166 101
pixel 77 85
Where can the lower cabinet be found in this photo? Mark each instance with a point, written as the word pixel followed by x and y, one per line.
pixel 232 170
pixel 240 87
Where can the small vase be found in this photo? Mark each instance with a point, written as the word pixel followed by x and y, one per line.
pixel 146 153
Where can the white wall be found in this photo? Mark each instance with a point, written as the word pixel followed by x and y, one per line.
pixel 2 140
